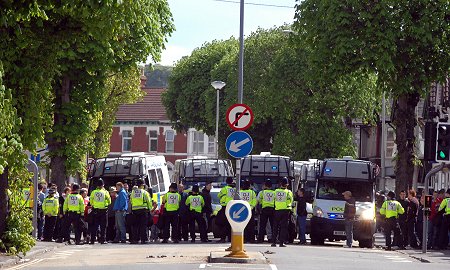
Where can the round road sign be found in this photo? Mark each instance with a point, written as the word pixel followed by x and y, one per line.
pixel 239 117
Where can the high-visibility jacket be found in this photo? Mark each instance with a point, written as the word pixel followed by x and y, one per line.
pixel 248 195
pixel 100 198
pixel 391 208
pixel 266 198
pixel 226 194
pixel 172 201
pixel 283 199
pixel 74 203
pixel 195 203
pixel 445 204
pixel 27 197
pixel 50 206
pixel 140 199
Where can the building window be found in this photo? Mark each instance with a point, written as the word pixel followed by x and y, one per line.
pixel 211 145
pixel 170 136
pixel 153 136
pixel 390 143
pixel 199 144
pixel 126 140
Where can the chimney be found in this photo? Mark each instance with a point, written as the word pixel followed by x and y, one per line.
pixel 143 78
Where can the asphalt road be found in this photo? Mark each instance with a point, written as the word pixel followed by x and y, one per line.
pixel 187 256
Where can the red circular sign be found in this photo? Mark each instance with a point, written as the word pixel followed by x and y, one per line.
pixel 239 117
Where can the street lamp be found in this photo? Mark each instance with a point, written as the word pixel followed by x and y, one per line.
pixel 218 85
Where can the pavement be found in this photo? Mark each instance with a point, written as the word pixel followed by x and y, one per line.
pixel 39 249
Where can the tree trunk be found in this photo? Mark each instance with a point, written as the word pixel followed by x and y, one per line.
pixel 56 143
pixel 4 201
pixel 405 122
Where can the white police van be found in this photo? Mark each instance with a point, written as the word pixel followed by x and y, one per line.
pixel 334 177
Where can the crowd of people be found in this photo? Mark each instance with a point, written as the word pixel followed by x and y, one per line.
pixel 404 218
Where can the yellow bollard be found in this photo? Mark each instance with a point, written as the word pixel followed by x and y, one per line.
pixel 237 246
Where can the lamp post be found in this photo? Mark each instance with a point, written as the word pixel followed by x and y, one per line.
pixel 218 85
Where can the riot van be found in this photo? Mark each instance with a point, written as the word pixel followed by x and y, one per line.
pixel 335 176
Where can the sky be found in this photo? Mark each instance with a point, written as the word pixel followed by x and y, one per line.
pixel 200 21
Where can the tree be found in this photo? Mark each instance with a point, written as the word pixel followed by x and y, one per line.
pixel 157 76
pixel 288 104
pixel 120 88
pixel 403 43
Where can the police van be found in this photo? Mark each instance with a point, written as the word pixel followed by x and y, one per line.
pixel 200 170
pixel 335 176
pixel 130 167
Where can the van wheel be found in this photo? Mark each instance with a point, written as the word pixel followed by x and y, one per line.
pixel 366 243
pixel 316 240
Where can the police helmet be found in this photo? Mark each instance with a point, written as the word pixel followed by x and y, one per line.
pixel 173 186
pixel 100 182
pixel 139 182
pixel 195 188
pixel 284 181
pixel 245 184
pixel 391 194
pixel 75 187
pixel 268 183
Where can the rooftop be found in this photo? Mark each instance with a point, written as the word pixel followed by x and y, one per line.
pixel 149 109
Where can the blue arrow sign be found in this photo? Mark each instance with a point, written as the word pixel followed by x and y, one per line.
pixel 239 144
pixel 238 212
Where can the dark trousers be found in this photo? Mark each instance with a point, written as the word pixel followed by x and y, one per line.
pixel 280 226
pixel 139 226
pixel 72 218
pixel 197 217
pixel 99 219
pixel 40 227
pixel 226 228
pixel 111 229
pixel 129 221
pixel 249 232
pixel 49 227
pixel 443 234
pixel 183 226
pixel 57 233
pixel 412 236
pixel 171 219
pixel 390 225
pixel 266 215
pixel 349 231
pixel 403 232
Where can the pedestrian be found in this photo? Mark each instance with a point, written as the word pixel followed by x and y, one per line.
pixel 154 230
pixel 402 221
pixel 50 208
pixel 411 219
pixel 301 215
pixel 40 214
pixel 225 195
pixel 120 211
pixel 445 226
pixel 249 196
pixel 99 200
pixel 283 205
pixel 84 223
pixel 171 201
pixel 111 224
pixel 266 199
pixel 391 209
pixel 58 235
pixel 435 220
pixel 349 216
pixel 183 215
pixel 73 210
pixel 207 209
pixel 141 204
pixel 196 203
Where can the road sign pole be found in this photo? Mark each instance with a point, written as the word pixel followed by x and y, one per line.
pixel 238 179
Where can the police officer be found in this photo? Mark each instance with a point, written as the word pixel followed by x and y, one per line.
pixel 171 201
pixel 196 203
pixel 225 195
pixel 445 226
pixel 50 208
pixel 392 209
pixel 99 200
pixel 141 204
pixel 183 213
pixel 73 210
pixel 266 198
pixel 249 195
pixel 283 205
pixel 402 220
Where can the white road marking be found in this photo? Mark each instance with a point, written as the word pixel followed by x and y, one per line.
pixel 397 259
pixel 273 267
pixel 202 266
pixel 26 264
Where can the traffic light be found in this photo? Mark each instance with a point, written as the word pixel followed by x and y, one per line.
pixel 443 143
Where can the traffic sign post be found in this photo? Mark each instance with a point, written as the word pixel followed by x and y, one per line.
pixel 238 213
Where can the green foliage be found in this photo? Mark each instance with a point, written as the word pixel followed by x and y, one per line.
pixel 157 76
pixel 120 88
pixel 295 114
